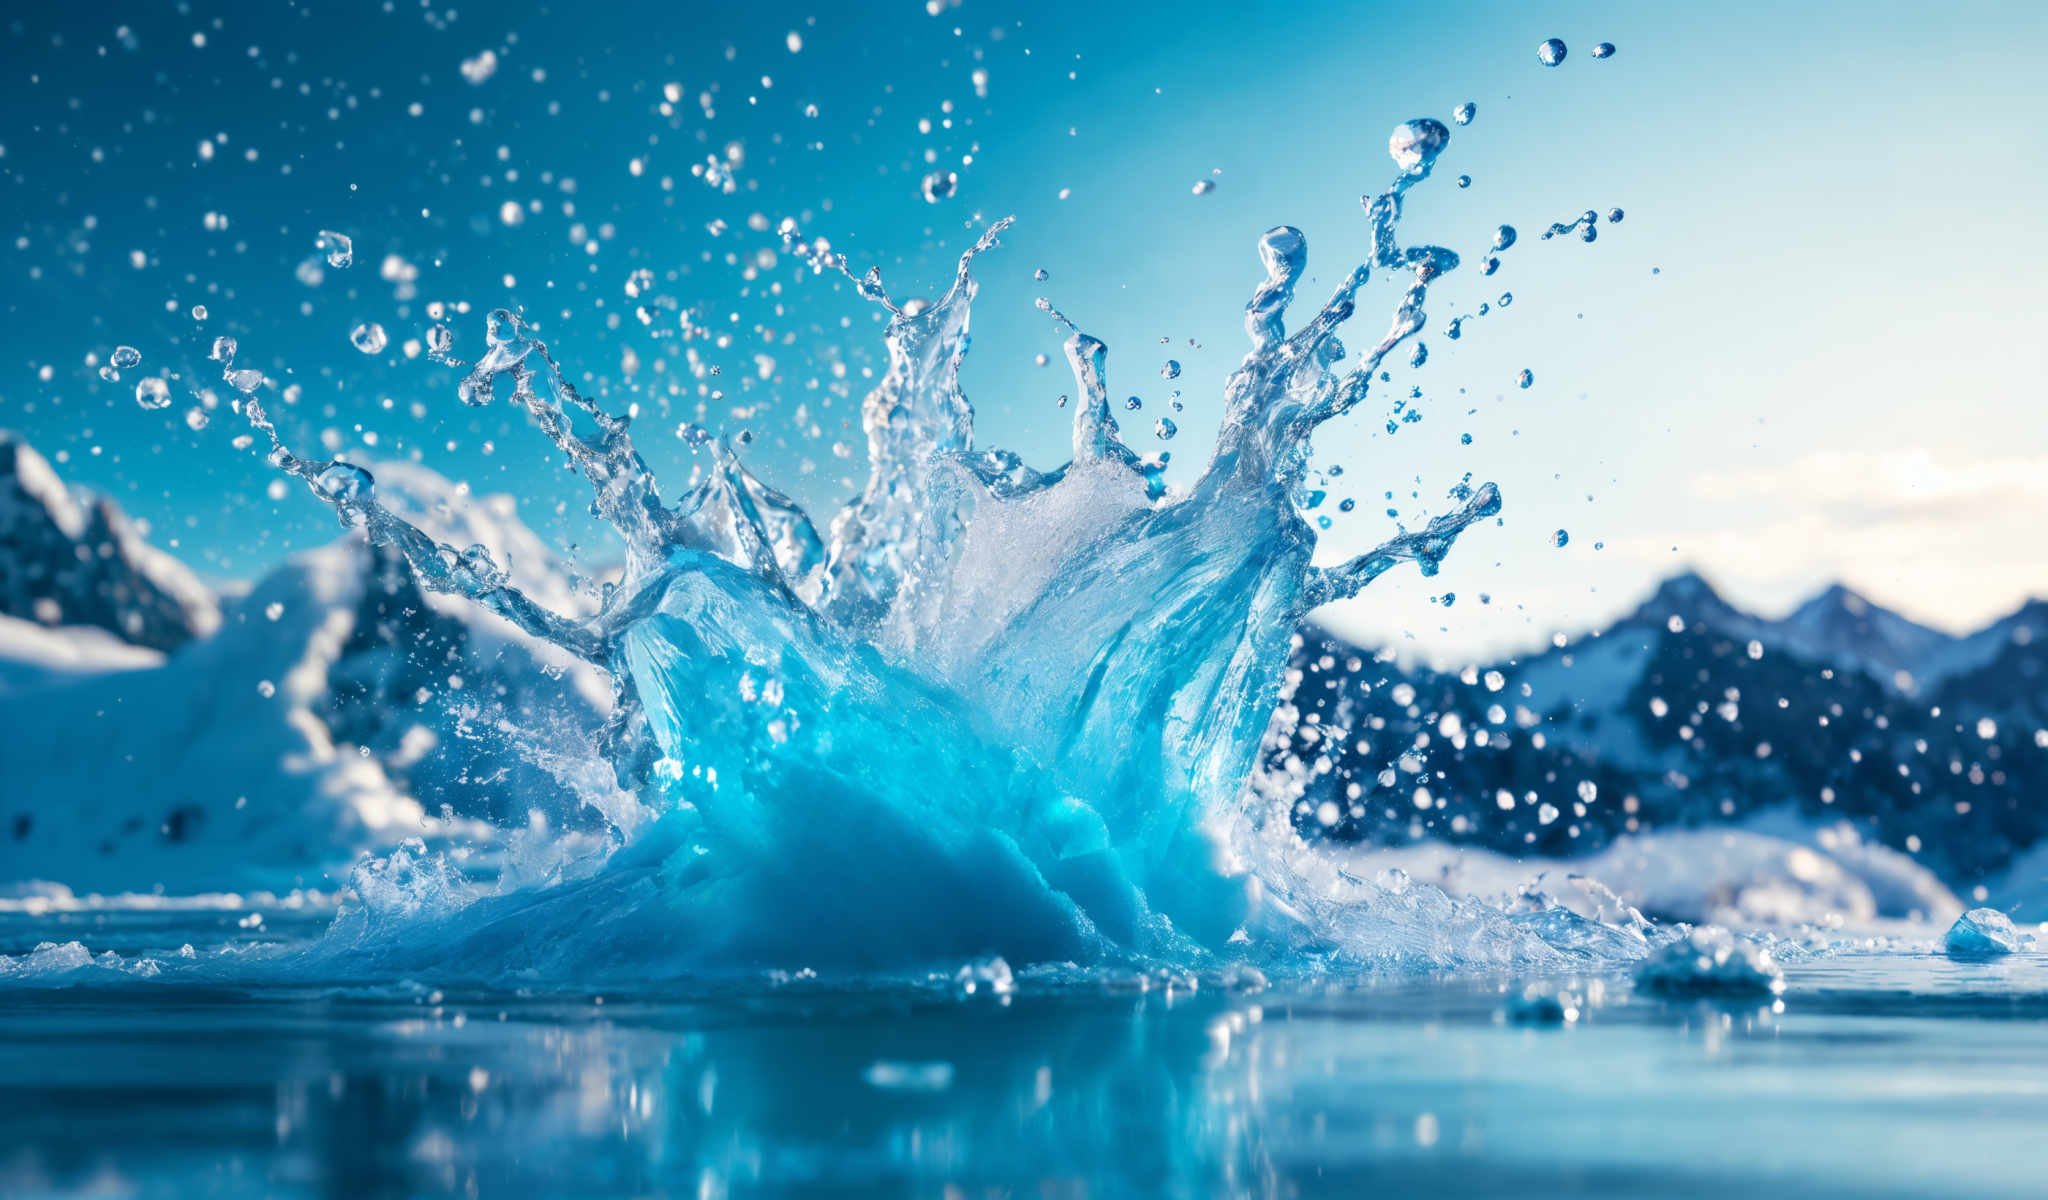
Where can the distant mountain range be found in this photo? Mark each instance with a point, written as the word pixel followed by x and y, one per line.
pixel 158 734
pixel 1687 711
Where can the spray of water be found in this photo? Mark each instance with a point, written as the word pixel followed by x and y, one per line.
pixel 990 709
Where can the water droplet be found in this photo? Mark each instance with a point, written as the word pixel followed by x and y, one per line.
pixel 1560 538
pixel 346 483
pixel 153 393
pixel 1604 50
pixel 1419 355
pixel 1133 404
pixel 1551 52
pixel 440 339
pixel 199 312
pixel 1165 428
pixel 500 326
pixel 1204 186
pixel 1465 113
pixel 1489 265
pixel 1506 298
pixel 1503 237
pixel 1041 275
pixel 196 418
pixel 1415 144
pixel 1170 371
pixel 940 185
pixel 1526 378
pixel 126 356
pixel 1614 216
pixel 266 689
pixel 245 380
pixel 223 351
pixel 368 337
pixel 339 249
pixel 1464 181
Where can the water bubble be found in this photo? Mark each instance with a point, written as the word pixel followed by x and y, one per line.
pixel 368 337
pixel 940 185
pixel 223 351
pixel 1560 539
pixel 1465 113
pixel 339 249
pixel 109 374
pixel 1415 144
pixel 199 312
pixel 1604 50
pixel 345 483
pixel 1203 187
pixel 1165 428
pixel 1526 378
pixel 196 418
pixel 126 356
pixel 500 326
pixel 1551 52
pixel 1170 371
pixel 1503 237
pixel 153 393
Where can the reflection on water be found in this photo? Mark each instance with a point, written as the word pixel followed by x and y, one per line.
pixel 1857 1088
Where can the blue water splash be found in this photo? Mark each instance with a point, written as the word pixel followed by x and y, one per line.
pixel 991 710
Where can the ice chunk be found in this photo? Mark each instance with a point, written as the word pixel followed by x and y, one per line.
pixel 1711 962
pixel 1981 933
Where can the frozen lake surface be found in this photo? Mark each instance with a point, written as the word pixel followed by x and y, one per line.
pixel 1885 1074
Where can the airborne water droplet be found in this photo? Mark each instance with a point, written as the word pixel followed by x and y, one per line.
pixel 1415 144
pixel 1503 237
pixel 339 249
pixel 1165 428
pixel 126 356
pixel 940 185
pixel 368 337
pixel 1171 370
pixel 1551 52
pixel 1526 378
pixel 153 393
pixel 1203 187
pixel 346 483
pixel 1560 538
pixel 245 380
pixel 1604 50
pixel 223 351
pixel 1465 113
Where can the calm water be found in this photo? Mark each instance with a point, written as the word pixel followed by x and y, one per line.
pixel 1884 1075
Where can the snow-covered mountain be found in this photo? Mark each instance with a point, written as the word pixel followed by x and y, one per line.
pixel 1687 712
pixel 334 707
pixel 72 558
pixel 1839 626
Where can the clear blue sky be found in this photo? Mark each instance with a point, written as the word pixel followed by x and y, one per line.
pixel 1834 372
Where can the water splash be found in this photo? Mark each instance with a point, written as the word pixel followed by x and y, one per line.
pixel 990 709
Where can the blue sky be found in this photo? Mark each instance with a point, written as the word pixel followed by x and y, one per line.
pixel 1808 352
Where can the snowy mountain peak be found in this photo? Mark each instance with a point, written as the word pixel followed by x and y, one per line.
pixel 1841 626
pixel 68 559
